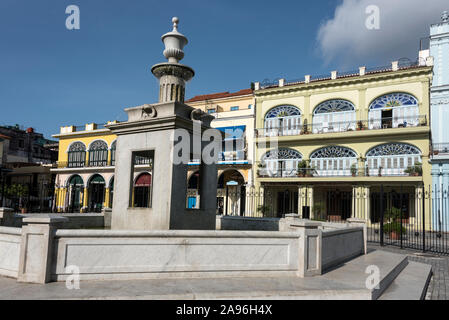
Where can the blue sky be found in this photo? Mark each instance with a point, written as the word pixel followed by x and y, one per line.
pixel 51 77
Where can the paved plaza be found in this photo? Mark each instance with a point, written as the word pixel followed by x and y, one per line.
pixel 347 282
pixel 439 284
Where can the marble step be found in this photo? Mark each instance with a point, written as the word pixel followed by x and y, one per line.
pixel 411 284
pixel 355 273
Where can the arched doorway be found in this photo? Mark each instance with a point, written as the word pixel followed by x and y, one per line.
pixel 193 191
pixel 231 194
pixel 142 191
pixel 96 193
pixel 75 191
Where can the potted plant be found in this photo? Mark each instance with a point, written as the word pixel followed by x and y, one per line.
pixel 302 166
pixel 394 226
pixel 360 126
pixel 264 209
pixel 418 169
pixel 415 170
pixel 394 230
pixel 354 169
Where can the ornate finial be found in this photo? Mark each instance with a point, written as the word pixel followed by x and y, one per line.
pixel 175 21
pixel 445 16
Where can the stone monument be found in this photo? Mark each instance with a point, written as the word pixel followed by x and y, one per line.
pixel 148 140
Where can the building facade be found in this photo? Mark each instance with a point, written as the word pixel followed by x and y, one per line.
pixel 326 148
pixel 439 50
pixel 85 170
pixel 235 117
pixel 27 182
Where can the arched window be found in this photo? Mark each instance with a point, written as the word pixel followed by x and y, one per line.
pixel 392 159
pixel 283 120
pixel 113 149
pixel 282 162
pixel 98 154
pixel 334 116
pixel 77 155
pixel 75 192
pixel 394 110
pixel 334 161
pixel 142 191
pixel 97 188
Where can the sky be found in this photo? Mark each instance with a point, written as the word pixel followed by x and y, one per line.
pixel 51 76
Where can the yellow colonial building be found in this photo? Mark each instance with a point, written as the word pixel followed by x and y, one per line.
pixel 327 147
pixel 85 171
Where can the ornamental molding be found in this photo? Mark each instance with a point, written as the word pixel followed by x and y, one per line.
pixel 98 145
pixel 335 105
pixel 393 149
pixel 77 146
pixel 333 152
pixel 392 100
pixel 283 111
pixel 282 154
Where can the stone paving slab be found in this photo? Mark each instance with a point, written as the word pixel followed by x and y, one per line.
pixel 411 284
pixel 439 284
pixel 347 282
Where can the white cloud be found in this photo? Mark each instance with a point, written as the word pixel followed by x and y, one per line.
pixel 346 40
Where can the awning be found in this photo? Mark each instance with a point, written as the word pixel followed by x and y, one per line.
pixel 144 180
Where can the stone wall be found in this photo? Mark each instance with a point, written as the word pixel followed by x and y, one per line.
pixel 153 254
pixel 10 239
pixel 41 251
pixel 341 245
pixel 247 223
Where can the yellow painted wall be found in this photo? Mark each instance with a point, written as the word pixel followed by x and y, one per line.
pixel 361 93
pixel 66 140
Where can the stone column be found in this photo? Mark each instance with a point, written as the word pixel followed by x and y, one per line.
pixel 36 248
pixel 367 198
pixel 419 199
pixel 85 200
pixel 310 201
pixel 310 263
pixel 106 198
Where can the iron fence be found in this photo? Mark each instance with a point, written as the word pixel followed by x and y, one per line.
pixel 404 216
pixel 343 126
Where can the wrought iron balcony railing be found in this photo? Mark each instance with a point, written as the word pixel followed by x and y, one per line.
pixel 345 126
pixel 350 172
pixel 438 148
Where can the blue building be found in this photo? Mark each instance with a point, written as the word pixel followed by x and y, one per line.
pixel 439 50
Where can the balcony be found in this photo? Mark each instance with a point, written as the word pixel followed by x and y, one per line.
pixel 346 126
pixel 440 148
pixel 412 171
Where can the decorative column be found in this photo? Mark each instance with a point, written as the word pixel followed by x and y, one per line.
pixel 106 198
pixel 85 200
pixel 310 201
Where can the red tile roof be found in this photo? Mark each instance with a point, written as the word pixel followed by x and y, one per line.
pixel 4 137
pixel 220 95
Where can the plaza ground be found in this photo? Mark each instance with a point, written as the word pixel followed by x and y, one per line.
pixel 347 282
